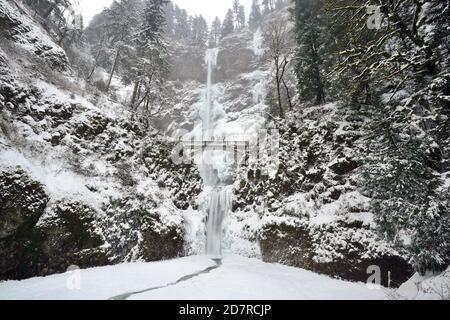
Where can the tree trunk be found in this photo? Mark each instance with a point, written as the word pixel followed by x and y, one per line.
pixel 288 94
pixel 280 103
pixel 135 94
pixel 147 104
pixel 142 100
pixel 283 71
pixel 113 69
pixel 95 65
pixel 320 98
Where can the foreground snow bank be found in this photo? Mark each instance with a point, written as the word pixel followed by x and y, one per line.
pixel 237 278
pixel 104 282
pixel 430 287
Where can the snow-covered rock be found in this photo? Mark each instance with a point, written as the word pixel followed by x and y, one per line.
pixel 80 182
pixel 428 287
pixel 312 211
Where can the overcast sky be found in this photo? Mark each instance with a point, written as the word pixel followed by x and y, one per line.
pixel 208 8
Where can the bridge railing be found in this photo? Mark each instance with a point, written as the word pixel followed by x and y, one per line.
pixel 262 150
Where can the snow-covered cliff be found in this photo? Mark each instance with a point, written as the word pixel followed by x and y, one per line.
pixel 82 184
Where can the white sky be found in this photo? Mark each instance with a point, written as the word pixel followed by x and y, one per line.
pixel 208 8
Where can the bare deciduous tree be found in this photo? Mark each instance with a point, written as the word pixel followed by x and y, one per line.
pixel 278 38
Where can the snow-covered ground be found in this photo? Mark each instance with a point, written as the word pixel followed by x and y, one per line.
pixel 196 277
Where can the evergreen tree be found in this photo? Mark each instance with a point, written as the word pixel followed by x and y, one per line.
pixel 408 146
pixel 170 19
pixel 236 6
pixel 151 68
pixel 310 51
pixel 199 31
pixel 255 15
pixel 228 24
pixel 268 6
pixel 216 30
pixel 408 197
pixel 151 33
pixel 240 18
pixel 182 26
pixel 122 20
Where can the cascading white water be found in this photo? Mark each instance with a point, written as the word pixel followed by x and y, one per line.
pixel 211 62
pixel 214 227
pixel 220 195
pixel 219 206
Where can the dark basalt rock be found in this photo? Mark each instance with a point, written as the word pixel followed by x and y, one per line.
pixel 144 233
pixel 67 238
pixel 344 166
pixel 29 248
pixel 90 130
pixel 315 176
pixel 22 202
pixel 161 245
pixel 292 246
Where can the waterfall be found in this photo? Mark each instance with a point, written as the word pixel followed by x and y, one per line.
pixel 213 162
pixel 211 62
pixel 219 206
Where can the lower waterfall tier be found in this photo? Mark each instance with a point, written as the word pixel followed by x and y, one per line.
pixel 220 204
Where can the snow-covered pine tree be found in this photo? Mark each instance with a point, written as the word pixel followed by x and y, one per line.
pixel 170 19
pixel 122 19
pixel 151 67
pixel 309 25
pixel 228 24
pixel 255 15
pixel 216 29
pixel 199 31
pixel 403 61
pixel 240 18
pixel 237 22
pixel 182 28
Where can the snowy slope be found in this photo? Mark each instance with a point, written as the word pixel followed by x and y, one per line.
pixel 428 287
pixel 237 278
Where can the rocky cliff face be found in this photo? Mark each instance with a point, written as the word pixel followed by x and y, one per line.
pixel 315 215
pixel 80 184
